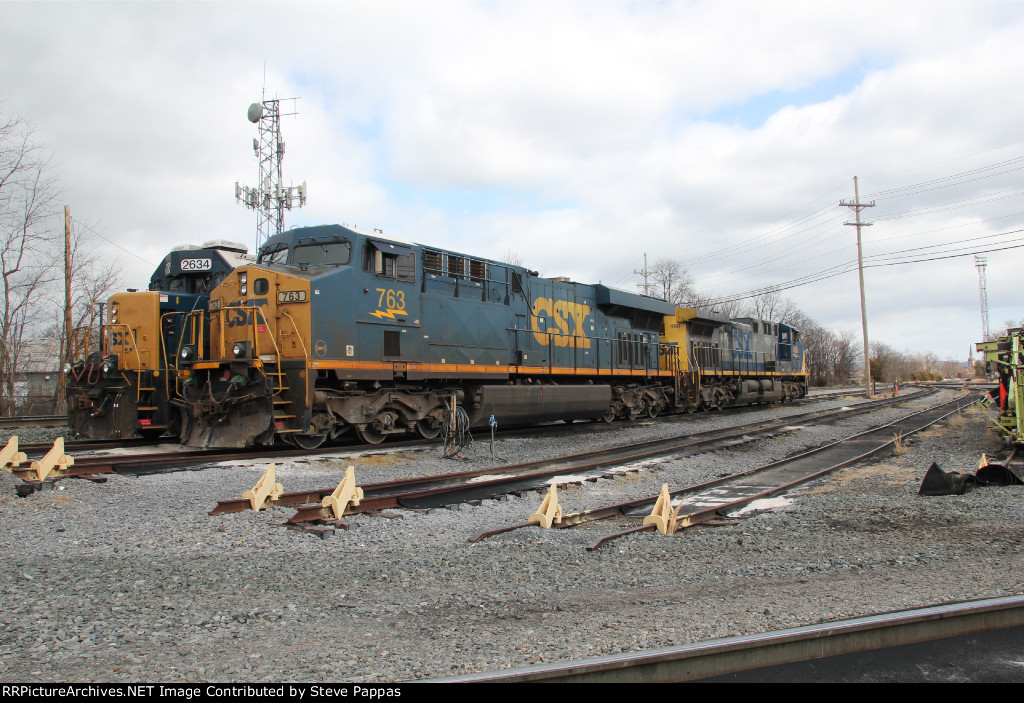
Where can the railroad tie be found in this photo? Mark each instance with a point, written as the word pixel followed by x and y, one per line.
pixel 346 492
pixel 54 463
pixel 10 457
pixel 549 511
pixel 265 491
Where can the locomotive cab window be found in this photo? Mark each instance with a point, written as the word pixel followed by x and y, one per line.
pixel 321 253
pixel 391 261
pixel 277 255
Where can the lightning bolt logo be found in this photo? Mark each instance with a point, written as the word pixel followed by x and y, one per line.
pixel 389 313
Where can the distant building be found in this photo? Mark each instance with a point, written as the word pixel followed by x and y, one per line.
pixel 37 378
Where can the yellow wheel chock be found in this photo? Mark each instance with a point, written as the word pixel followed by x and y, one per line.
pixel 346 492
pixel 664 516
pixel 54 462
pixel 549 511
pixel 265 491
pixel 10 457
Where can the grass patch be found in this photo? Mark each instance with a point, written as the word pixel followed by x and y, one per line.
pixel 956 421
pixel 899 445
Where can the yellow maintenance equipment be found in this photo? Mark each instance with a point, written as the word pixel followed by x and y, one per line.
pixel 265 491
pixel 550 511
pixel 1005 358
pixel 54 463
pixel 10 457
pixel 663 516
pixel 347 492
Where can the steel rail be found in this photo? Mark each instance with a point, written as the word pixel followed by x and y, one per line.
pixel 34 421
pixel 434 491
pixel 712 500
pixel 644 505
pixel 724 656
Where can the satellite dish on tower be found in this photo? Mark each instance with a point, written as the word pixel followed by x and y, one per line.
pixel 255 112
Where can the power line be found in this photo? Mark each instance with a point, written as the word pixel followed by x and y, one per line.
pixel 108 241
pixel 848 267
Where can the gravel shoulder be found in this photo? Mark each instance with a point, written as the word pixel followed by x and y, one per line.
pixel 132 581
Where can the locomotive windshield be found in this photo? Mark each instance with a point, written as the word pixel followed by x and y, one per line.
pixel 274 254
pixel 308 253
pixel 319 253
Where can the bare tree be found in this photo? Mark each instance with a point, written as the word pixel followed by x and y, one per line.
pixel 772 305
pixel 671 281
pixel 28 201
pixel 513 257
pixel 94 277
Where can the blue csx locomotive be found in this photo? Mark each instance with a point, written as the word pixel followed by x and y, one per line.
pixel 336 330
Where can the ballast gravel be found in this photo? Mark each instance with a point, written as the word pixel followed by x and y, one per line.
pixel 131 580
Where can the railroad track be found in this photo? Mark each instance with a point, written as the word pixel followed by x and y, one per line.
pixel 91 467
pixel 151 462
pixel 694 505
pixel 447 489
pixel 980 640
pixel 34 421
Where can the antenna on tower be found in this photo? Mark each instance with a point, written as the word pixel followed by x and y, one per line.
pixel 269 199
pixel 981 262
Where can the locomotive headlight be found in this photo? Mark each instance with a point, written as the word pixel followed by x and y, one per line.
pixel 113 316
pixel 242 280
pixel 110 363
pixel 241 350
pixel 67 368
pixel 188 353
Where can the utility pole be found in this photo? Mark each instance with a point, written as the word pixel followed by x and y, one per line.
pixel 857 206
pixel 981 262
pixel 66 346
pixel 644 273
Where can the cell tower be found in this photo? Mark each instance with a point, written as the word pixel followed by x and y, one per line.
pixel 981 262
pixel 269 199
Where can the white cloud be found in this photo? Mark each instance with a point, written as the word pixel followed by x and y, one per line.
pixel 580 134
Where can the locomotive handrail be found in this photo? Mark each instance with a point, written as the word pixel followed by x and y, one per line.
pixel 85 339
pixel 277 350
pixel 295 326
pixel 254 338
pixel 109 327
pixel 197 330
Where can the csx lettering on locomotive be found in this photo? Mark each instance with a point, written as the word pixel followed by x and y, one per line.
pixel 239 314
pixel 562 313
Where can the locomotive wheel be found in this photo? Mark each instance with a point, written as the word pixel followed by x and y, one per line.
pixel 653 410
pixel 306 441
pixel 718 403
pixel 609 415
pixel 427 428
pixel 371 435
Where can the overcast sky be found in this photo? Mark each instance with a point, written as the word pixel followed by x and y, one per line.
pixel 578 135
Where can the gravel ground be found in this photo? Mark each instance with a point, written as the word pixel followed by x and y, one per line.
pixel 132 581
